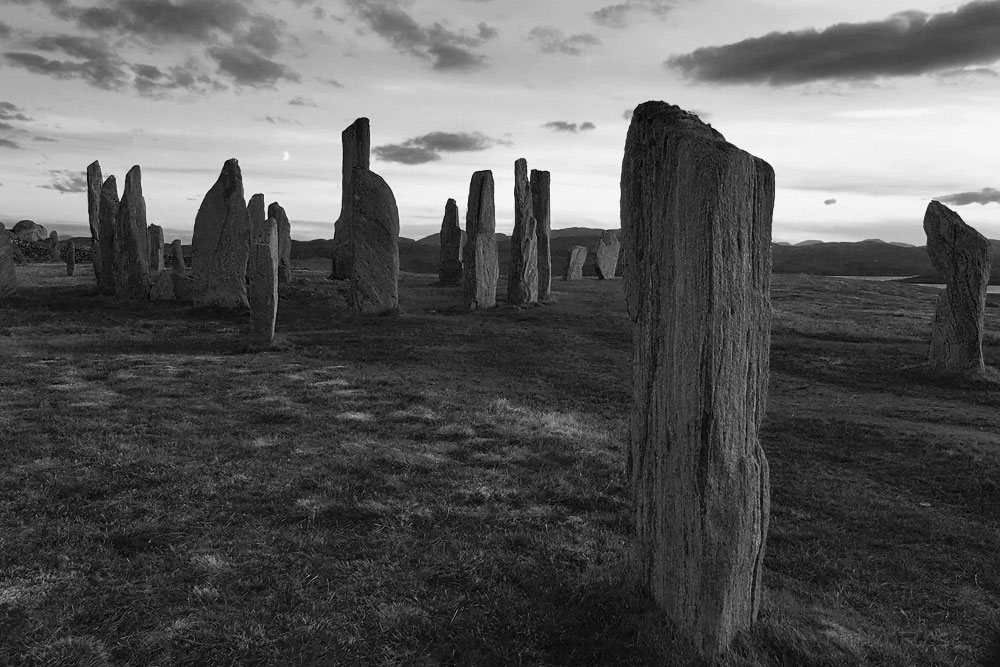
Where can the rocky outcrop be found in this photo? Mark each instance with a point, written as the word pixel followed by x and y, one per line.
pixel 70 258
pixel 606 255
pixel 131 244
pixel 450 265
pixel 8 274
pixel 103 266
pixel 962 256
pixel 29 230
pixel 479 256
pixel 221 243
pixel 284 241
pixel 522 277
pixel 542 210
pixel 356 141
pixel 263 276
pixel 155 235
pixel 696 223
pixel 108 221
pixel 374 245
pixel 575 260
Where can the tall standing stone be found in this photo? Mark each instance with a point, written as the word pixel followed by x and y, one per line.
pixel 522 278
pixel 479 255
pixel 108 222
pixel 177 250
pixel 155 235
pixel 374 235
pixel 263 275
pixel 696 221
pixel 606 255
pixel 8 274
pixel 54 246
pixel 131 243
pixel 284 241
pixel 542 210
pixel 450 265
pixel 356 140
pixel 103 266
pixel 575 260
pixel 70 258
pixel 221 243
pixel 962 256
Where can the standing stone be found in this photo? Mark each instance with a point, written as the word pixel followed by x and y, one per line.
pixel 374 234
pixel 522 278
pixel 574 262
pixel 450 266
pixel 103 266
pixel 54 246
pixel 284 241
pixel 156 263
pixel 70 258
pixel 962 256
pixel 480 267
pixel 131 248
pixel 606 255
pixel 8 274
pixel 108 220
pixel 356 140
pixel 541 209
pixel 221 243
pixel 696 221
pixel 263 295
pixel 177 250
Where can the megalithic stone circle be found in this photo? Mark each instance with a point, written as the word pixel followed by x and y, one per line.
pixel 131 242
pixel 522 276
pixel 374 235
pixel 103 266
pixel 575 259
pixel 696 222
pixel 284 241
pixel 541 208
pixel 356 141
pixel 263 293
pixel 221 243
pixel 479 256
pixel 450 264
pixel 108 214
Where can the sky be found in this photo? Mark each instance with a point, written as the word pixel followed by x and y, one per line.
pixel 866 109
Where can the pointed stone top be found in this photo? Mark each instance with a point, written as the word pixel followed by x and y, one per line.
pixel 661 112
pixel 94 165
pixel 134 174
pixel 231 178
pixel 450 202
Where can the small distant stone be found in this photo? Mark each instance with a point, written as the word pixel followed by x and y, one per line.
pixel 54 246
pixel 606 255
pixel 70 258
pixel 574 262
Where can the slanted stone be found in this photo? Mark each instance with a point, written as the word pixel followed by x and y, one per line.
pixel 263 277
pixel 108 220
pixel 54 246
pixel 131 243
pixel 374 234
pixel 284 241
pixel 70 258
pixel 356 141
pixel 479 256
pixel 450 264
pixel 221 243
pixel 962 256
pixel 696 223
pixel 542 210
pixel 606 255
pixel 522 277
pixel 8 274
pixel 155 235
pixel 30 231
pixel 575 260
pixel 103 266
pixel 177 250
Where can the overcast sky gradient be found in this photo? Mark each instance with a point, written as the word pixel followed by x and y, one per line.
pixel 866 109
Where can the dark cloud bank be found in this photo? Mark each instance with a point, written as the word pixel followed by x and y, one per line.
pixel 565 126
pixel 984 196
pixel 428 147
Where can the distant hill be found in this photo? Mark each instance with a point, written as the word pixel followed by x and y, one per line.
pixel 808 242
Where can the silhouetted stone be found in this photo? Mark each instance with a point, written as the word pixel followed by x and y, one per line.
pixel 606 255
pixel 8 274
pixel 131 244
pixel 696 222
pixel 522 278
pixel 962 256
pixel 70 258
pixel 54 246
pixel 356 141
pixel 542 210
pixel 155 235
pixel 374 235
pixel 161 287
pixel 263 277
pixel 221 243
pixel 575 260
pixel 255 212
pixel 103 266
pixel 450 265
pixel 479 255
pixel 284 241
pixel 108 219
pixel 177 250
pixel 29 230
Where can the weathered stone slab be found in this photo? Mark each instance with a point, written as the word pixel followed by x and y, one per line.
pixel 522 276
pixel 8 274
pixel 450 264
pixel 541 208
pixel 103 266
pixel 155 236
pixel 356 141
pixel 221 243
pixel 70 258
pixel 54 246
pixel 108 221
pixel 131 244
pixel 177 249
pixel 263 277
pixel 575 260
pixel 284 241
pixel 374 234
pixel 696 222
pixel 962 256
pixel 606 255
pixel 480 267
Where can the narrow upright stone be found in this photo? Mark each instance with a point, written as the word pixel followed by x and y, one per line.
pixel 696 223
pixel 962 256
pixel 522 278
pixel 103 266
pixel 356 140
pixel 479 255
pixel 177 250
pixel 263 276
pixel 108 215
pixel 542 210
pixel 8 274
pixel 54 246
pixel 255 211
pixel 606 255
pixel 374 234
pixel 180 278
pixel 131 248
pixel 450 265
pixel 284 241
pixel 221 243
pixel 70 258
pixel 156 263
pixel 575 260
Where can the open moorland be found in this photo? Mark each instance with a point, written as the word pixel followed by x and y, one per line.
pixel 441 488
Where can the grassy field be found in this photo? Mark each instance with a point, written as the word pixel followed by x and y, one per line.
pixel 442 488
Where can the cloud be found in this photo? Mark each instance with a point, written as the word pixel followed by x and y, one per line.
pixel 906 44
pixel 628 114
pixel 553 40
pixel 428 147
pixel 248 68
pixel 67 182
pixel 105 72
pixel 9 111
pixel 619 15
pixel 829 202
pixel 166 20
pixel 151 81
pixel 4 30
pixel 984 196
pixel 332 82
pixel 7 143
pixel 280 120
pixel 587 125
pixel 5 126
pixel 301 102
pixel 564 126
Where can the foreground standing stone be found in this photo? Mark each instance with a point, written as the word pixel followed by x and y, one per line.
pixel 155 235
pixel 522 278
pixel 221 243
pixel 263 277
pixel 103 266
pixel 479 255
pixel 575 260
pixel 54 245
pixel 284 241
pixel 606 255
pixel 356 140
pixel 70 258
pixel 374 234
pixel 108 220
pixel 131 244
pixel 8 274
pixel 450 265
pixel 962 256
pixel 696 221
pixel 542 210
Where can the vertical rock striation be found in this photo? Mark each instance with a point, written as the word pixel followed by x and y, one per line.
pixel 374 235
pixel 103 266
pixel 575 260
pixel 450 265
pixel 356 140
pixel 155 235
pixel 606 255
pixel 480 267
pixel 263 291
pixel 284 241
pixel 131 243
pixel 221 243
pixel 522 277
pixel 108 216
pixel 541 209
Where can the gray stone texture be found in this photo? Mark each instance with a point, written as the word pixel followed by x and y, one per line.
pixel 103 265
pixel 221 243
pixel 70 258
pixel 373 232
pixel 450 264
pixel 108 221
pixel 29 230
pixel 522 276
pixel 479 256
pixel 606 255
pixel 575 260
pixel 263 278
pixel 155 235
pixel 356 141
pixel 131 243
pixel 177 249
pixel 54 246
pixel 8 274
pixel 542 210
pixel 284 241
